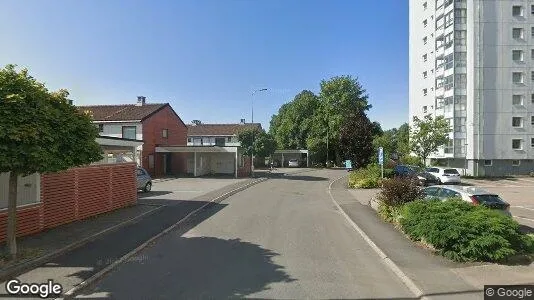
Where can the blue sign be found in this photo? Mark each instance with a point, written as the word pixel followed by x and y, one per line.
pixel 348 164
pixel 380 156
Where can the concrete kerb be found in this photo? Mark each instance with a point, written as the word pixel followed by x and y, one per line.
pixel 72 292
pixel 385 259
pixel 32 264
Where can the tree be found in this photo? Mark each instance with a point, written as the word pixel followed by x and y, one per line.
pixel 256 141
pixel 40 132
pixel 428 134
pixel 356 138
pixel 403 140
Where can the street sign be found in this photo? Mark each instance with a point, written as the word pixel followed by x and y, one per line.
pixel 348 164
pixel 380 156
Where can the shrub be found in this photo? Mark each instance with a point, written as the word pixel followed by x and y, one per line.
pixel 464 232
pixel 366 178
pixel 411 160
pixel 389 213
pixel 398 191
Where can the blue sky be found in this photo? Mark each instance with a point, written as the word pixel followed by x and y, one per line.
pixel 205 57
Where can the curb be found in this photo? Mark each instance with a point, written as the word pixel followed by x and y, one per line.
pixel 72 292
pixel 32 264
pixel 385 259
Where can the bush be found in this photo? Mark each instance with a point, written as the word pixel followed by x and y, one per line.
pixel 411 160
pixel 365 178
pixel 464 232
pixel 389 213
pixel 398 191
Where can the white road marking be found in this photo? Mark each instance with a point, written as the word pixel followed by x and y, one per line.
pixel 518 206
pixel 523 218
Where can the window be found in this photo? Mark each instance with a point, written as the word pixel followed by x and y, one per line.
pixel 449 19
pixel 517 99
pixel 439 82
pixel 517 55
pixel 517 77
pixel 517 33
pixel 460 59
pixel 532 142
pixel 517 11
pixel 448 82
pixel 460 81
pixel 197 142
pixel 425 22
pixel 532 54
pixel 460 37
pixel 449 147
pixel 229 139
pixel 425 92
pixel 517 144
pixel 460 16
pixel 151 161
pixel 425 109
pixel 532 120
pixel 448 40
pixel 425 57
pixel 425 74
pixel 460 102
pixel 532 98
pixel 449 61
pixel 165 133
pixel 425 40
pixel 488 162
pixel 517 122
pixel 129 132
pixel 516 162
pixel 532 9
pixel 532 31
pixel 100 127
pixel 532 75
pixel 459 125
pixel 189 140
pixel 425 5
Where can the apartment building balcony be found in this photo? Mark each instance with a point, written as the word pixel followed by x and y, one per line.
pixel 440 51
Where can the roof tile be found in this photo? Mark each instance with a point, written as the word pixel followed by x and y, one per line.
pixel 219 129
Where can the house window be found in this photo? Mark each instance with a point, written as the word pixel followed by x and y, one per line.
pixel 517 100
pixel 517 55
pixel 165 133
pixel 488 162
pixel 425 109
pixel 517 77
pixel 517 122
pixel 448 82
pixel 197 142
pixel 517 144
pixel 460 16
pixel 532 98
pixel 100 127
pixel 532 54
pixel 425 40
pixel 189 140
pixel 517 33
pixel 532 75
pixel 532 31
pixel 425 57
pixel 516 162
pixel 151 161
pixel 129 132
pixel 425 74
pixel 448 40
pixel 449 19
pixel 229 139
pixel 532 120
pixel 532 9
pixel 425 23
pixel 517 11
pixel 425 92
pixel 532 142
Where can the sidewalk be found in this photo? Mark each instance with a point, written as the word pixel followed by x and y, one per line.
pixel 436 276
pixel 75 266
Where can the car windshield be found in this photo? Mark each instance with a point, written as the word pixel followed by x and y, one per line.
pixel 451 171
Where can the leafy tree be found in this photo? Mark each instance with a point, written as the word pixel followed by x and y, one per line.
pixel 40 132
pixel 403 140
pixel 356 138
pixel 428 134
pixel 256 141
pixel 388 141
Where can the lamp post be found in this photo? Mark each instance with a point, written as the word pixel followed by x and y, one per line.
pixel 253 134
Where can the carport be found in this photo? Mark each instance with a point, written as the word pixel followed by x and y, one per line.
pixel 286 155
pixel 209 160
pixel 119 149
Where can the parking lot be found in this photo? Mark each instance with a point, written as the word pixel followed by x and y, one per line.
pixel 518 191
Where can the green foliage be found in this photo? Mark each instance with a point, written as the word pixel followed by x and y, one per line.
pixel 463 232
pixel 39 130
pixel 264 144
pixel 411 160
pixel 428 134
pixel 356 138
pixel 398 191
pixel 365 178
pixel 391 214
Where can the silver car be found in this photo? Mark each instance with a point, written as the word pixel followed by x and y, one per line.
pixel 474 195
pixel 144 181
pixel 293 163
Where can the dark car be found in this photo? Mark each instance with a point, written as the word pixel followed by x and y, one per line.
pixel 424 178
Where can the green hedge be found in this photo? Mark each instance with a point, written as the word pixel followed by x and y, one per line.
pixel 464 232
pixel 368 177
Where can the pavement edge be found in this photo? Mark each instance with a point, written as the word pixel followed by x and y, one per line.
pixel 72 292
pixel 32 264
pixel 385 259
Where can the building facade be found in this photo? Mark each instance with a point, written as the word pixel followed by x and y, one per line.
pixel 217 134
pixel 472 61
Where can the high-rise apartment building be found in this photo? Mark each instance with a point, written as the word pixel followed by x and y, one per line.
pixel 472 61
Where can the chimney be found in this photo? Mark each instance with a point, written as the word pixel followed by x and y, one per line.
pixel 141 100
pixel 242 121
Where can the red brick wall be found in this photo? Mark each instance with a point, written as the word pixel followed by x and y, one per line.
pixel 152 136
pixel 76 194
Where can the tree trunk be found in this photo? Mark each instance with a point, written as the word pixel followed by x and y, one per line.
pixel 12 215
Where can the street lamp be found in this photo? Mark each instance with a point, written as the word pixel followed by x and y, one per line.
pixel 253 135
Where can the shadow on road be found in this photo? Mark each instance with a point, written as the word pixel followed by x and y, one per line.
pixel 526 228
pixel 152 194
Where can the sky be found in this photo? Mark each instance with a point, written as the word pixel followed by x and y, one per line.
pixel 206 57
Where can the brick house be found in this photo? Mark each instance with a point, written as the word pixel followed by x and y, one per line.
pixel 156 124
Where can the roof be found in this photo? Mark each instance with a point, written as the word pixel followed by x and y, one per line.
pixel 123 112
pixel 219 129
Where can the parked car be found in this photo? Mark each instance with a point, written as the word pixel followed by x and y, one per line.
pixel 445 175
pixel 422 176
pixel 293 163
pixel 474 195
pixel 144 181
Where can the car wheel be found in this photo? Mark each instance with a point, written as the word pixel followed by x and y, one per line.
pixel 148 187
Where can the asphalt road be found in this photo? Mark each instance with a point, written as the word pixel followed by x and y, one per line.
pixel 281 239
